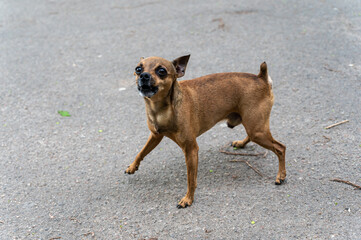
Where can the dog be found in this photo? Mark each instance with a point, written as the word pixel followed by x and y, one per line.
pixel 183 110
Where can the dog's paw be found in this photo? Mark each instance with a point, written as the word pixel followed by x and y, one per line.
pixel 185 202
pixel 281 178
pixel 238 144
pixel 280 181
pixel 131 169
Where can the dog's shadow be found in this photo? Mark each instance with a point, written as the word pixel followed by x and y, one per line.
pixel 168 172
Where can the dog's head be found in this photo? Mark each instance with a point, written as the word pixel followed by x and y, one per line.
pixel 155 75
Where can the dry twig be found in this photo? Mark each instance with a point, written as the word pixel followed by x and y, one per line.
pixel 220 21
pixel 330 69
pixel 55 238
pixel 74 219
pixel 327 139
pixel 249 165
pixel 242 154
pixel 336 124
pixel 347 182
pixel 89 233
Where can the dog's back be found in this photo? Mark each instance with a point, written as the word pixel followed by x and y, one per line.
pixel 229 96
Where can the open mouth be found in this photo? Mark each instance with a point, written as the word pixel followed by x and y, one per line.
pixel 147 91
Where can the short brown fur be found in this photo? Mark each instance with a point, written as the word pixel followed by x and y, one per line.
pixel 184 110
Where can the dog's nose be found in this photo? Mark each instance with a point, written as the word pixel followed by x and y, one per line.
pixel 145 79
pixel 145 76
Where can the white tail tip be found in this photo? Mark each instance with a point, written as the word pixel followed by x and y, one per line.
pixel 270 82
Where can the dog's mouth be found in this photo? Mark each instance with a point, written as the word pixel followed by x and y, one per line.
pixel 147 91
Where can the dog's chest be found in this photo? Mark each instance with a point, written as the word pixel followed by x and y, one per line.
pixel 161 121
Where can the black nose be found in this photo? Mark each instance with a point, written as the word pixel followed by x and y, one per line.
pixel 144 80
pixel 145 76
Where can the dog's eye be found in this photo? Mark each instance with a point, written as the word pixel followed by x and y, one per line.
pixel 138 70
pixel 162 72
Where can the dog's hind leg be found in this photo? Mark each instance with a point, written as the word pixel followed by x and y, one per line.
pixel 256 124
pixel 242 143
pixel 265 139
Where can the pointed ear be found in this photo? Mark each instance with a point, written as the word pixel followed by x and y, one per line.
pixel 180 65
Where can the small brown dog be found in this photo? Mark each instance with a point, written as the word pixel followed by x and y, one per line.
pixel 184 110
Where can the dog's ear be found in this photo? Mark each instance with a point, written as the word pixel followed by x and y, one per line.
pixel 180 65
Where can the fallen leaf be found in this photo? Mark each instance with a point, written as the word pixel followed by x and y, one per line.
pixel 64 113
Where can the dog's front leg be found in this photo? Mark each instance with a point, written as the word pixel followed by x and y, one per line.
pixel 153 141
pixel 191 155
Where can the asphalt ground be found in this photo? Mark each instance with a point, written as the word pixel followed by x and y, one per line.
pixel 63 177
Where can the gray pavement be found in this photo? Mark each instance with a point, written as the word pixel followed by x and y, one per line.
pixel 62 177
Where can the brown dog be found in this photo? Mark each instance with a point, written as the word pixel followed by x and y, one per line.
pixel 184 110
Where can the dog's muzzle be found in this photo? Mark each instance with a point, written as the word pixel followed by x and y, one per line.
pixel 146 85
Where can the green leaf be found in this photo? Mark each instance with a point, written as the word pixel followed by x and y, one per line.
pixel 336 203
pixel 211 171
pixel 253 222
pixel 234 148
pixel 100 130
pixel 64 113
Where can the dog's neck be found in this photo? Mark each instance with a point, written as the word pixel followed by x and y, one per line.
pixel 161 114
pixel 173 97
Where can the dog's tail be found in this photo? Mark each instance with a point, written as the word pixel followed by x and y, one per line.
pixel 263 73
